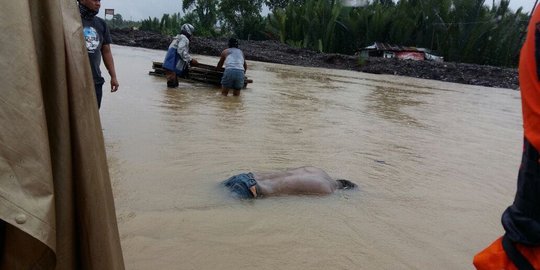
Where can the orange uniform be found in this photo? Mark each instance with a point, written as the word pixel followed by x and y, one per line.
pixel 494 257
pixel 529 81
pixel 521 221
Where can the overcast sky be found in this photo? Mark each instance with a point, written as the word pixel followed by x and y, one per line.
pixel 142 9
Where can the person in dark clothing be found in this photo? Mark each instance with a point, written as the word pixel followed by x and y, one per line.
pixel 98 40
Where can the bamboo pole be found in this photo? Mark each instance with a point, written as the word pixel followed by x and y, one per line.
pixel 199 72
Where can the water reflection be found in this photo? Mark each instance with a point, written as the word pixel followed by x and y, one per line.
pixel 298 75
pixel 231 105
pixel 175 100
pixel 392 104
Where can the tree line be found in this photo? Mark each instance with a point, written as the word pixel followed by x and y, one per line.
pixel 467 31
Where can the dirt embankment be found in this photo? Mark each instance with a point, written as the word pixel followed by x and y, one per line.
pixel 275 52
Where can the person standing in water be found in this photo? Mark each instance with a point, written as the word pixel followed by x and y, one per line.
pixel 98 40
pixel 178 60
pixel 235 68
pixel 299 181
pixel 519 247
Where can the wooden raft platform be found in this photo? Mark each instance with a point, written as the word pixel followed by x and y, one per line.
pixel 199 72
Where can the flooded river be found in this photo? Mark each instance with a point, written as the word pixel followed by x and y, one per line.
pixel 436 164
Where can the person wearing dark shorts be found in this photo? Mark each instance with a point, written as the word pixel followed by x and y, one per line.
pixel 235 68
pixel 242 186
pixel 298 181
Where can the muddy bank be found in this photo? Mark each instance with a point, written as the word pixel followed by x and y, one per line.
pixel 276 52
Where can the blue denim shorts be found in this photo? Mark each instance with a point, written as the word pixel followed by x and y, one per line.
pixel 233 79
pixel 240 186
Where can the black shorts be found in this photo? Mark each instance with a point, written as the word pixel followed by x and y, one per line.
pixel 240 185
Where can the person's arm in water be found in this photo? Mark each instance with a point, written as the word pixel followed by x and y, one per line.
pixel 224 54
pixel 109 64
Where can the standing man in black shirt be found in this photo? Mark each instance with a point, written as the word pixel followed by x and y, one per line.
pixel 98 40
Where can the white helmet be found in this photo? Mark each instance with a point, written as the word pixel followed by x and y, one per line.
pixel 188 28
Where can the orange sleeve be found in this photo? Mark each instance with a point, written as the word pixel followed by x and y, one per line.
pixel 494 257
pixel 529 81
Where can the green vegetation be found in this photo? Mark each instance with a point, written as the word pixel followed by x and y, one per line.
pixel 118 22
pixel 203 15
pixel 459 30
pixel 242 18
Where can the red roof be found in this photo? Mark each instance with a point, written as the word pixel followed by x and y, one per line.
pixel 379 46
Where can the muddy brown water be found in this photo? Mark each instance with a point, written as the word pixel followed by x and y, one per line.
pixel 436 164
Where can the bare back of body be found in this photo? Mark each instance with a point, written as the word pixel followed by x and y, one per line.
pixel 303 180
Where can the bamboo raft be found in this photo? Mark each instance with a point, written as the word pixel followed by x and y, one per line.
pixel 199 72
